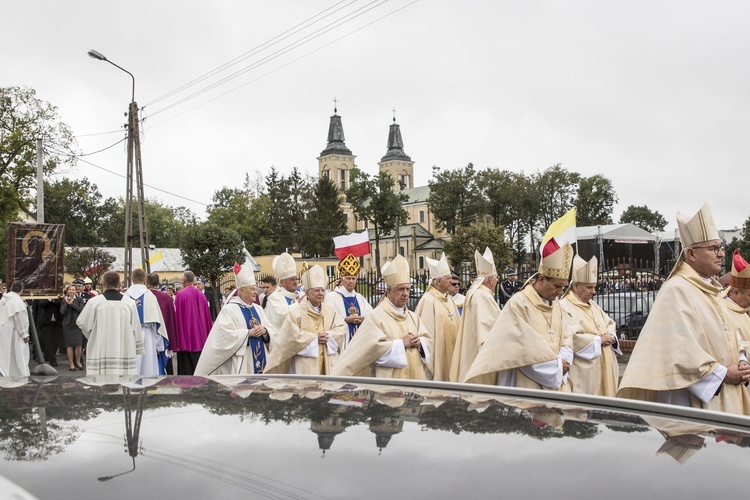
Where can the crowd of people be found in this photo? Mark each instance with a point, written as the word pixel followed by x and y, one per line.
pixel 548 335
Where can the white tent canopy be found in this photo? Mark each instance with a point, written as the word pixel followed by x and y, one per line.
pixel 623 233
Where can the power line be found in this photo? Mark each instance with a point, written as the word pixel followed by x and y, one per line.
pixel 252 51
pixel 98 151
pixel 147 185
pixel 283 65
pixel 100 133
pixel 274 55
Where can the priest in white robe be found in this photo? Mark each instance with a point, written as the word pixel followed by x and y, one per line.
pixel 14 333
pixel 392 341
pixel 111 324
pixel 531 343
pixel 155 338
pixel 595 347
pixel 479 314
pixel 439 315
pixel 242 336
pixel 350 305
pixel 310 339
pixel 689 351
pixel 277 306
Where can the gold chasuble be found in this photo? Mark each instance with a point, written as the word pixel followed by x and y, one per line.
pixel 527 332
pixel 373 339
pixel 439 315
pixel 688 333
pixel 479 314
pixel 596 376
pixel 301 327
pixel 741 320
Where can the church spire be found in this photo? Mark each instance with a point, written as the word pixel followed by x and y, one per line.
pixel 336 143
pixel 395 143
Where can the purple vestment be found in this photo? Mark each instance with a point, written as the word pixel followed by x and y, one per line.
pixel 193 318
pixel 166 304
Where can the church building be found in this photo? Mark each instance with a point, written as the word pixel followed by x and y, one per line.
pixel 419 238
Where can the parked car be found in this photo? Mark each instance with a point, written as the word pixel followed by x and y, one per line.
pixel 629 310
pixel 311 437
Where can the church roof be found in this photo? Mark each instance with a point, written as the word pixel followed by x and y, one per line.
pixel 418 194
pixel 395 145
pixel 336 143
pixel 403 232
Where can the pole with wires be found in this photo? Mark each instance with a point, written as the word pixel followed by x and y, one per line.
pixel 133 163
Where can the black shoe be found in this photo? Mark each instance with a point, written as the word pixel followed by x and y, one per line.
pixel 53 362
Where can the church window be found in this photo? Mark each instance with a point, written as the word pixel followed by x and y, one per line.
pixel 342 180
pixel 421 262
pixel 421 216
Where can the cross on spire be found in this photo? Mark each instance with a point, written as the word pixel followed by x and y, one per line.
pixel 335 105
pixel 394 115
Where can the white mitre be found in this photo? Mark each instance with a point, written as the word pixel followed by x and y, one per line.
pixel 698 228
pixel 244 276
pixel 315 277
pixel 585 272
pixel 485 264
pixel 396 272
pixel 284 266
pixel 438 268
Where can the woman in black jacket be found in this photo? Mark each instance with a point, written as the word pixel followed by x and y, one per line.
pixel 70 309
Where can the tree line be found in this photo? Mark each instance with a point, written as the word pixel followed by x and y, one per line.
pixel 505 210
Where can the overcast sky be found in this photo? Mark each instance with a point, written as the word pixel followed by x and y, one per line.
pixel 651 94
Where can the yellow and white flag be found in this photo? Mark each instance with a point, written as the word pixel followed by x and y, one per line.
pixel 560 232
pixel 156 260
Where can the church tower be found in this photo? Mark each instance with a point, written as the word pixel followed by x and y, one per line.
pixel 395 162
pixel 336 161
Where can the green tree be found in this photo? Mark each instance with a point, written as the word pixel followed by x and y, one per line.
pixel 595 201
pixel 23 119
pixel 74 203
pixel 556 189
pixel 373 199
pixel 505 198
pixel 239 210
pixel 454 200
pixel 462 244
pixel 88 262
pixel 325 218
pixel 210 250
pixel 165 224
pixel 279 195
pixel 643 217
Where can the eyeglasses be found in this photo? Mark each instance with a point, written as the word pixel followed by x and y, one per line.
pixel 714 248
pixel 454 284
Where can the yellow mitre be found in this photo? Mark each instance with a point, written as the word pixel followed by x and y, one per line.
pixel 315 277
pixel 348 266
pixel 557 263
pixel 396 272
pixel 438 268
pixel 584 272
pixel 245 276
pixel 284 266
pixel 485 264
pixel 698 228
pixel 740 277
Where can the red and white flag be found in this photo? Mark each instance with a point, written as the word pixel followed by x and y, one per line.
pixel 357 244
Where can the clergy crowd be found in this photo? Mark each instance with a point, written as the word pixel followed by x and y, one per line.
pixel 549 335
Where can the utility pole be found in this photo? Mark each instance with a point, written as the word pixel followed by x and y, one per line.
pixel 39 182
pixel 134 162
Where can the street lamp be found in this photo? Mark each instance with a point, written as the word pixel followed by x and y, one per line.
pixel 134 153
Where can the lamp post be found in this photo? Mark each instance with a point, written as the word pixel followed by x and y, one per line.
pixel 134 156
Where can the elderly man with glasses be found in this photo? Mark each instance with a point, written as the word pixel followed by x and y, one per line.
pixel 689 352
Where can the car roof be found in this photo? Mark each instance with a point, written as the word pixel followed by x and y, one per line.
pixel 313 437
